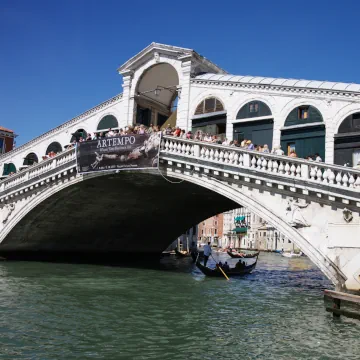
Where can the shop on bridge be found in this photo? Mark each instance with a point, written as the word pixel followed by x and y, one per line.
pixel 347 141
pixel 254 122
pixel 304 132
pixel 210 117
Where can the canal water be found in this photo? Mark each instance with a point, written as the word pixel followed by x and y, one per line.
pixel 171 311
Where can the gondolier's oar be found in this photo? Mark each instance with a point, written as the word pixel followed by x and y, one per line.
pixel 219 267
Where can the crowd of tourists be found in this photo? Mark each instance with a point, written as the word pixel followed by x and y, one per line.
pixel 198 135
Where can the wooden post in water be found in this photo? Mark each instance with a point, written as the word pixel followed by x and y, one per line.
pixel 336 305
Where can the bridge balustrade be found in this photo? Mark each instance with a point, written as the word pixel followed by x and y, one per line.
pixel 316 172
pixel 281 166
pixel 35 171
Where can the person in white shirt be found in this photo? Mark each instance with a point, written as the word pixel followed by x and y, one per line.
pixel 207 253
pixel 110 133
pixel 278 151
pixel 318 158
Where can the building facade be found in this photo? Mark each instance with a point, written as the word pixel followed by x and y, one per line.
pixel 259 234
pixel 211 230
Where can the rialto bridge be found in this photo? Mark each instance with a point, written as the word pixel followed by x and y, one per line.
pixel 47 208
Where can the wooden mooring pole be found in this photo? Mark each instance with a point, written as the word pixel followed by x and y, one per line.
pixel 337 297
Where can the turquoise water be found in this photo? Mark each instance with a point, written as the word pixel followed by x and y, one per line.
pixel 67 311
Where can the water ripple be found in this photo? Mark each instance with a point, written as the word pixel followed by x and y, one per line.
pixel 62 311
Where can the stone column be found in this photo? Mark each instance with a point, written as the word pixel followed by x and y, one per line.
pixel 184 98
pixel 229 130
pixel 127 115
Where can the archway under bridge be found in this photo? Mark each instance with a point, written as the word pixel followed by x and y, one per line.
pixel 121 216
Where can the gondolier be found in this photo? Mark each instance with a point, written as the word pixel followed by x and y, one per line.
pixel 207 253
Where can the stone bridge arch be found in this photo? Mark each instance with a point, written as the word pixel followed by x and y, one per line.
pixel 114 215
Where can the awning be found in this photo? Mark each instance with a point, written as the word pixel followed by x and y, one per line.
pixel 239 218
pixel 240 230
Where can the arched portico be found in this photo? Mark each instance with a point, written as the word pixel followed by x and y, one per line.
pixel 155 94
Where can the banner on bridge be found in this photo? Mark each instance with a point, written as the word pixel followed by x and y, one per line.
pixel 123 152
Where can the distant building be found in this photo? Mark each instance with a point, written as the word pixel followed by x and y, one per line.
pixel 258 234
pixel 211 230
pixel 7 138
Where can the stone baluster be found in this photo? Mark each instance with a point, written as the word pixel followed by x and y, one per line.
pixel 212 154
pixel 270 165
pixel 325 176
pixel 351 181
pixel 179 147
pixel 357 182
pixel 345 180
pixel 183 148
pixel 287 169
pixel 226 157
pixel 202 152
pixel 207 153
pixel 331 176
pixel 312 173
pixel 258 162
pixel 216 155
pixel 264 164
pixel 298 171
pixel 338 179
pixel 241 158
pixel 188 149
pixel 171 146
pixel 281 168
pixel 253 161
pixel 231 157
pixel 236 159
pixel 292 170
pixel 319 175
pixel 221 156
pixel 275 166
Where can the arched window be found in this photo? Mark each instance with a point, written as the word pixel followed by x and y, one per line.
pixel 107 122
pixel 78 134
pixel 209 105
pixel 347 141
pixel 54 147
pixel 306 140
pixel 258 131
pixel 9 169
pixel 253 109
pixel 304 114
pixel 30 159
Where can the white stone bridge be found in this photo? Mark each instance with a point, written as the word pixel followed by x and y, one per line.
pixel 50 208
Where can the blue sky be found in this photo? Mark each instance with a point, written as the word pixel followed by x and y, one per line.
pixel 59 58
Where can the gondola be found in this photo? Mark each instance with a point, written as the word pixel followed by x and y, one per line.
pixel 232 272
pixel 181 253
pixel 242 256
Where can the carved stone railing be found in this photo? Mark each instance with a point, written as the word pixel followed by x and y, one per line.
pixel 282 166
pixel 37 170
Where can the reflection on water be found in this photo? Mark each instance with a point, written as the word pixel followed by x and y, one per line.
pixel 64 311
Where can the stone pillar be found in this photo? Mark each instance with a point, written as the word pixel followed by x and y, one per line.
pixel 229 130
pixel 127 115
pixel 329 146
pixel 183 120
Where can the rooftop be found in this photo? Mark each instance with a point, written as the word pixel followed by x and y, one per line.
pixel 5 129
pixel 312 84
